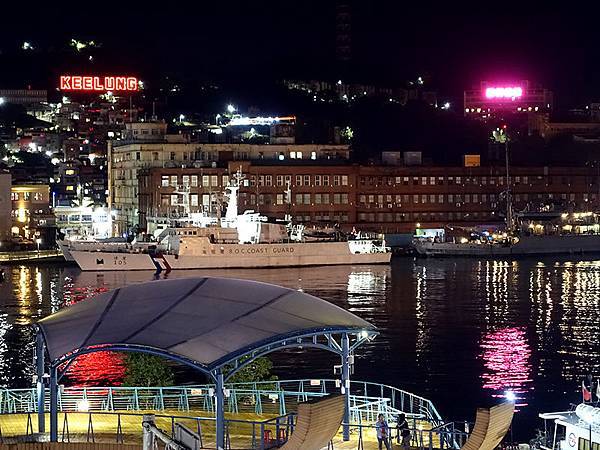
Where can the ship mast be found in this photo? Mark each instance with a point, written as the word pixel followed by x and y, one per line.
pixel 509 209
pixel 501 137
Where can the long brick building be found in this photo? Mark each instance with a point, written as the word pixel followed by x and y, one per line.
pixel 149 172
pixel 390 199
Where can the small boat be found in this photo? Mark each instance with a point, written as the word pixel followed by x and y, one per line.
pixel 573 429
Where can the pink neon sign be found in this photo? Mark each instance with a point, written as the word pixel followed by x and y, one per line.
pixel 504 92
pixel 90 83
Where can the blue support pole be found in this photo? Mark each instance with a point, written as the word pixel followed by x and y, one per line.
pixel 346 384
pixel 53 404
pixel 220 413
pixel 39 363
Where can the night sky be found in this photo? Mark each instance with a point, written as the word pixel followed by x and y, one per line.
pixel 452 47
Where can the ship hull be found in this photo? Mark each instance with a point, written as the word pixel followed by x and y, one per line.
pixel 232 256
pixel 526 246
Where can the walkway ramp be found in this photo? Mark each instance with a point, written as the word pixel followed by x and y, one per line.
pixel 491 425
pixel 317 424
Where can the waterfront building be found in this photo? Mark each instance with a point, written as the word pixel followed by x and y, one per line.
pixel 394 199
pixel 85 220
pixel 31 214
pixel 147 146
pixel 5 205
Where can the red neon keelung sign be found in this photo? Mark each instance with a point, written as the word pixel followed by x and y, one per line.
pixel 98 84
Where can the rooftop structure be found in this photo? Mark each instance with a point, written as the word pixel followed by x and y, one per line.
pixel 493 99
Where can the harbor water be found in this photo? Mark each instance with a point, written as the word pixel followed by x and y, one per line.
pixel 460 332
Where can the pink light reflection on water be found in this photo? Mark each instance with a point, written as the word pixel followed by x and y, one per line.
pixel 506 356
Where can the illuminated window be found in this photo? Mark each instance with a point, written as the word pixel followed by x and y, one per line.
pixel 279 199
pixel 194 200
pixel 194 180
pixel 14 196
pixel 174 199
pixel 293 155
pixel 344 180
pixel 186 180
pixel 214 180
pixel 70 188
pixel 173 180
pixel 313 155
pixel 299 155
pixel 69 172
pixel 38 196
pixel 164 180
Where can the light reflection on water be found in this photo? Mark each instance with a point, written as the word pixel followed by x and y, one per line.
pixel 460 332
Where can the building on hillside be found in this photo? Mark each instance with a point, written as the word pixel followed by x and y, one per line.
pixel 496 100
pixel 24 96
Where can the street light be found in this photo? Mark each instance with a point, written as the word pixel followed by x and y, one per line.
pixel 230 108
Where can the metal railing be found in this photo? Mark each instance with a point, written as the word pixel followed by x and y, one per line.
pixel 367 399
pixel 127 427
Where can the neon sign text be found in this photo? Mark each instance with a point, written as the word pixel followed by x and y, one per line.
pixel 504 92
pixel 90 83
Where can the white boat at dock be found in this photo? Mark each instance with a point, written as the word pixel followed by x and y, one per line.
pixel 247 240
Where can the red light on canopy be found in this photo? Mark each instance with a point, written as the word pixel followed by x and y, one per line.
pixel 98 84
pixel 504 92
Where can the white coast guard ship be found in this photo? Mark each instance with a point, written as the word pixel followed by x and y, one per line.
pixel 247 240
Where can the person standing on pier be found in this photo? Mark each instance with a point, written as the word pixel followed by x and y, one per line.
pixel 403 431
pixel 382 432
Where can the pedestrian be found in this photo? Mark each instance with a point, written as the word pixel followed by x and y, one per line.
pixel 403 431
pixel 382 432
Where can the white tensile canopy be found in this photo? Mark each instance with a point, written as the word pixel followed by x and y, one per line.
pixel 207 321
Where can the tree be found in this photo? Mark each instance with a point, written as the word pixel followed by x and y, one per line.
pixel 147 370
pixel 257 370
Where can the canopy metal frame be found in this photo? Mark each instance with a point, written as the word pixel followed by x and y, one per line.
pixel 341 340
